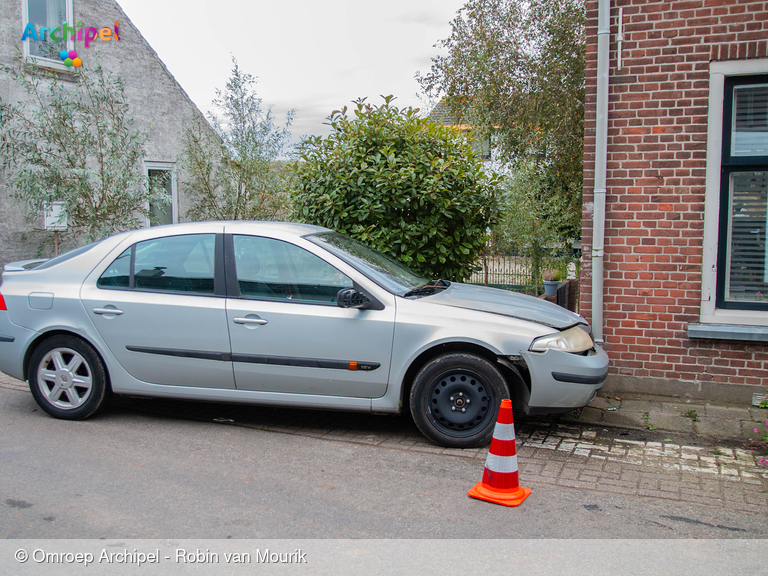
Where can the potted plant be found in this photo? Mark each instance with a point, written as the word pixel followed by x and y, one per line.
pixel 551 281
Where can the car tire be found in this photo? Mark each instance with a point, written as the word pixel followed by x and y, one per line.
pixel 67 378
pixel 455 399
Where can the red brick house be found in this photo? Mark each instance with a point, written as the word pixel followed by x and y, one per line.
pixel 675 194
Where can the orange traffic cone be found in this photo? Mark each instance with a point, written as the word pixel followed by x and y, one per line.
pixel 500 483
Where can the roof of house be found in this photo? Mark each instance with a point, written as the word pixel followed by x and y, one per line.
pixel 445 115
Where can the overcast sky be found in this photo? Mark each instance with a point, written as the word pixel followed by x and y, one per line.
pixel 314 56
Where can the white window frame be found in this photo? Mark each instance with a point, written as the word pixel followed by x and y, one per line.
pixel 171 167
pixel 710 314
pixel 39 60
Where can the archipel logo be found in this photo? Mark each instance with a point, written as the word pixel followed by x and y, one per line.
pixel 70 58
pixel 80 33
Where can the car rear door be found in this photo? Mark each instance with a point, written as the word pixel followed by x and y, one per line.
pixel 287 333
pixel 160 308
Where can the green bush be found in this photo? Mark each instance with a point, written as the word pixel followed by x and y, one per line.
pixel 408 187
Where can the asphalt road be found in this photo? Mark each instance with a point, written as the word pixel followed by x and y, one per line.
pixel 128 474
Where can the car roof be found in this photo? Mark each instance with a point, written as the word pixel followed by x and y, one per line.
pixel 280 229
pixel 98 250
pixel 273 227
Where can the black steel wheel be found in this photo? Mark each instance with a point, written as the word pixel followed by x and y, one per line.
pixel 67 378
pixel 455 399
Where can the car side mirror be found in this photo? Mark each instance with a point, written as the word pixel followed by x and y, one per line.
pixel 351 298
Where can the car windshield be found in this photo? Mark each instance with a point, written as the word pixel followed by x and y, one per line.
pixel 386 272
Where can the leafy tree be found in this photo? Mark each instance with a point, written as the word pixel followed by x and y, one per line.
pixel 73 142
pixel 406 186
pixel 516 70
pixel 529 225
pixel 237 174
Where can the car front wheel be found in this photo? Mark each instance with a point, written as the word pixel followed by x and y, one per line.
pixel 67 378
pixel 455 398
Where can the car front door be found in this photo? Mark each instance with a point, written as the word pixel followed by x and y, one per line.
pixel 289 336
pixel 160 308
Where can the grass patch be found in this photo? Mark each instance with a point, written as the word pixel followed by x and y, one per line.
pixel 692 414
pixel 647 420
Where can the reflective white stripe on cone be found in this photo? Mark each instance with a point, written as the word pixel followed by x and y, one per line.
pixel 500 483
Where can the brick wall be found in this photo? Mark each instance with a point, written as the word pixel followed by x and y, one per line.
pixel 657 139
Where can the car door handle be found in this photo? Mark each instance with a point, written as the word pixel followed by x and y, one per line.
pixel 259 321
pixel 114 311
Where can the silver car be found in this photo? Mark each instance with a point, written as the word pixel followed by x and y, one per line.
pixel 285 315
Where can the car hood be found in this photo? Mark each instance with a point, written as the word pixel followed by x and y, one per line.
pixel 506 303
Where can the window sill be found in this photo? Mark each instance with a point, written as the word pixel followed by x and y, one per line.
pixel 728 332
pixel 49 65
pixel 733 317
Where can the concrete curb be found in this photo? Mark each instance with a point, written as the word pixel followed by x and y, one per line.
pixel 683 416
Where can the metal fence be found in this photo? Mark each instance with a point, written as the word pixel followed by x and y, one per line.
pixel 512 272
pixel 517 272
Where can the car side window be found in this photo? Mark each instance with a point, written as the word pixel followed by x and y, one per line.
pixel 178 264
pixel 273 269
pixel 118 274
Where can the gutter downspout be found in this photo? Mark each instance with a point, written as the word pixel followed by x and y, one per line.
pixel 601 160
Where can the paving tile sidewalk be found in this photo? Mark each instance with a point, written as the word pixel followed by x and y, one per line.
pixel 584 457
pixel 597 448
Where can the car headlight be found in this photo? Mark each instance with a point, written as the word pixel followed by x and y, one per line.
pixel 572 340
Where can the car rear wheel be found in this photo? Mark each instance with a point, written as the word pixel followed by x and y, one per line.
pixel 455 399
pixel 67 378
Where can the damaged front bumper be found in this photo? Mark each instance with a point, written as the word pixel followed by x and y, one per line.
pixel 562 381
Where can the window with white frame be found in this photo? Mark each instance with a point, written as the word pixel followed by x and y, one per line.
pixel 735 258
pixel 742 259
pixel 162 177
pixel 54 27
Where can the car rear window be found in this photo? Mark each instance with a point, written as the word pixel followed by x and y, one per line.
pixel 67 256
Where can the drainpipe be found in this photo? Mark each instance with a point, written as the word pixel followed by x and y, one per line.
pixel 601 158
